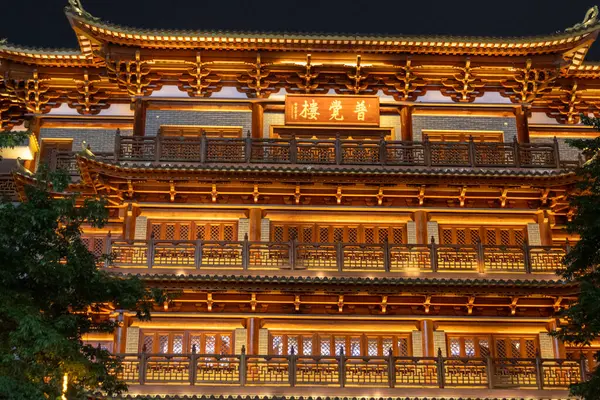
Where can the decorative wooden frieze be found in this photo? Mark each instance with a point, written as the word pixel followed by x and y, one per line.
pixel 199 79
pixel 404 85
pixel 258 80
pixel 87 98
pixel 464 86
pixel 528 83
pixel 34 93
pixel 135 76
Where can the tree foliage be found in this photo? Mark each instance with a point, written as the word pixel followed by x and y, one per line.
pixel 582 319
pixel 51 293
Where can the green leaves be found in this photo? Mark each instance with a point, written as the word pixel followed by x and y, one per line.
pixel 582 319
pixel 50 290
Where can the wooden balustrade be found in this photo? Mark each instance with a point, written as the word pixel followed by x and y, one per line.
pixel 342 257
pixel 347 371
pixel 205 149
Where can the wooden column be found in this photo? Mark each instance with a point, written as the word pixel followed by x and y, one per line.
pixel 406 123
pixel 255 217
pixel 421 227
pixel 522 124
pixel 559 346
pixel 257 120
pixel 545 229
pixel 427 331
pixel 139 121
pixel 253 327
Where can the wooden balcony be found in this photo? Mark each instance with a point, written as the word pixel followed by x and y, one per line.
pixel 205 150
pixel 342 371
pixel 189 255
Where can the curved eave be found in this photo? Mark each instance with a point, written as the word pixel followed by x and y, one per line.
pixel 559 43
pixel 348 284
pixel 49 57
pixel 240 171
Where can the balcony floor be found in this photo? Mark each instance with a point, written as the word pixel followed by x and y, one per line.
pixel 358 392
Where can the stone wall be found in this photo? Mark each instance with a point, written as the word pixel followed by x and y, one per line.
pixel 156 118
pixel 99 140
pixel 451 123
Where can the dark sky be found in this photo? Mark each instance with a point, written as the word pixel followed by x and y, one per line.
pixel 42 22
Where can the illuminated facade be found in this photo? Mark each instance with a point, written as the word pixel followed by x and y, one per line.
pixel 343 216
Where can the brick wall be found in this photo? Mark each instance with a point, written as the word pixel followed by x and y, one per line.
pixel 446 122
pixel 156 118
pixel 391 121
pixel 271 118
pixel 100 140
pixel 566 152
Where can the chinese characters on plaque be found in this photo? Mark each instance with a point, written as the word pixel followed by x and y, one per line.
pixel 331 110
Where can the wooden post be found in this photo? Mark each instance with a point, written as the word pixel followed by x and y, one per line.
pixel 427 334
pixel 556 152
pixel 243 367
pixel 338 150
pixel 139 122
pixel 253 328
pixel 545 229
pixel 526 257
pixel 490 371
pixel 480 258
pixel 539 376
pixel 441 369
pixel 248 147
pixel 150 251
pixel 257 120
pixel 292 367
pixel 434 261
pixel 245 252
pixel 421 227
pixel 254 222
pixel 342 368
pixel 522 124
pixel 391 369
pixel 117 150
pixel 406 132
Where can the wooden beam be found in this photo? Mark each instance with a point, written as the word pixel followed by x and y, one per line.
pixel 139 123
pixel 406 123
pixel 522 127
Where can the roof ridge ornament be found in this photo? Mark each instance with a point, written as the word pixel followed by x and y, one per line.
pixel 77 8
pixel 590 19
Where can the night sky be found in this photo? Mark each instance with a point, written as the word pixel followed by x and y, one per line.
pixel 42 23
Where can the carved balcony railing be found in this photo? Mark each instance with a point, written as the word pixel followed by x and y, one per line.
pixel 67 161
pixel 208 150
pixel 342 257
pixel 350 371
pixel 8 188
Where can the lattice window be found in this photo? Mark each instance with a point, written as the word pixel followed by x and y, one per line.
pixel 340 345
pixel 177 344
pixel 156 231
pixel 307 346
pixel 398 235
pixel 484 348
pixel 148 344
pixel 501 348
pixel 163 344
pixel 200 232
pixel 387 345
pixel 225 344
pixel 277 345
pixel 505 237
pixel 86 241
pixel 475 238
pixel 372 347
pixel 352 235
pixel 515 348
pixel 369 235
pixel 402 347
pixel 519 237
pixel 307 235
pixel 98 248
pixel 469 348
pixel 461 236
pixel 383 235
pixel 293 233
pixel 323 235
pixel 325 347
pixel 228 233
pixel 455 347
pixel 338 235
pixel 210 344
pixel 214 232
pixel 278 234
pixel 292 343
pixel 355 347
pixel 195 343
pixel 490 236
pixel 170 232
pixel 184 232
pixel 530 349
pixel 447 236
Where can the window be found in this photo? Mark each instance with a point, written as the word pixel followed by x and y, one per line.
pixel 359 233
pixel 193 231
pixel 165 342
pixel 352 345
pixel 95 244
pixel 49 146
pixel 505 236
pixel 504 347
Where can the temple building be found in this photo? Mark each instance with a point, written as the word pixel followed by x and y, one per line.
pixel 340 215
